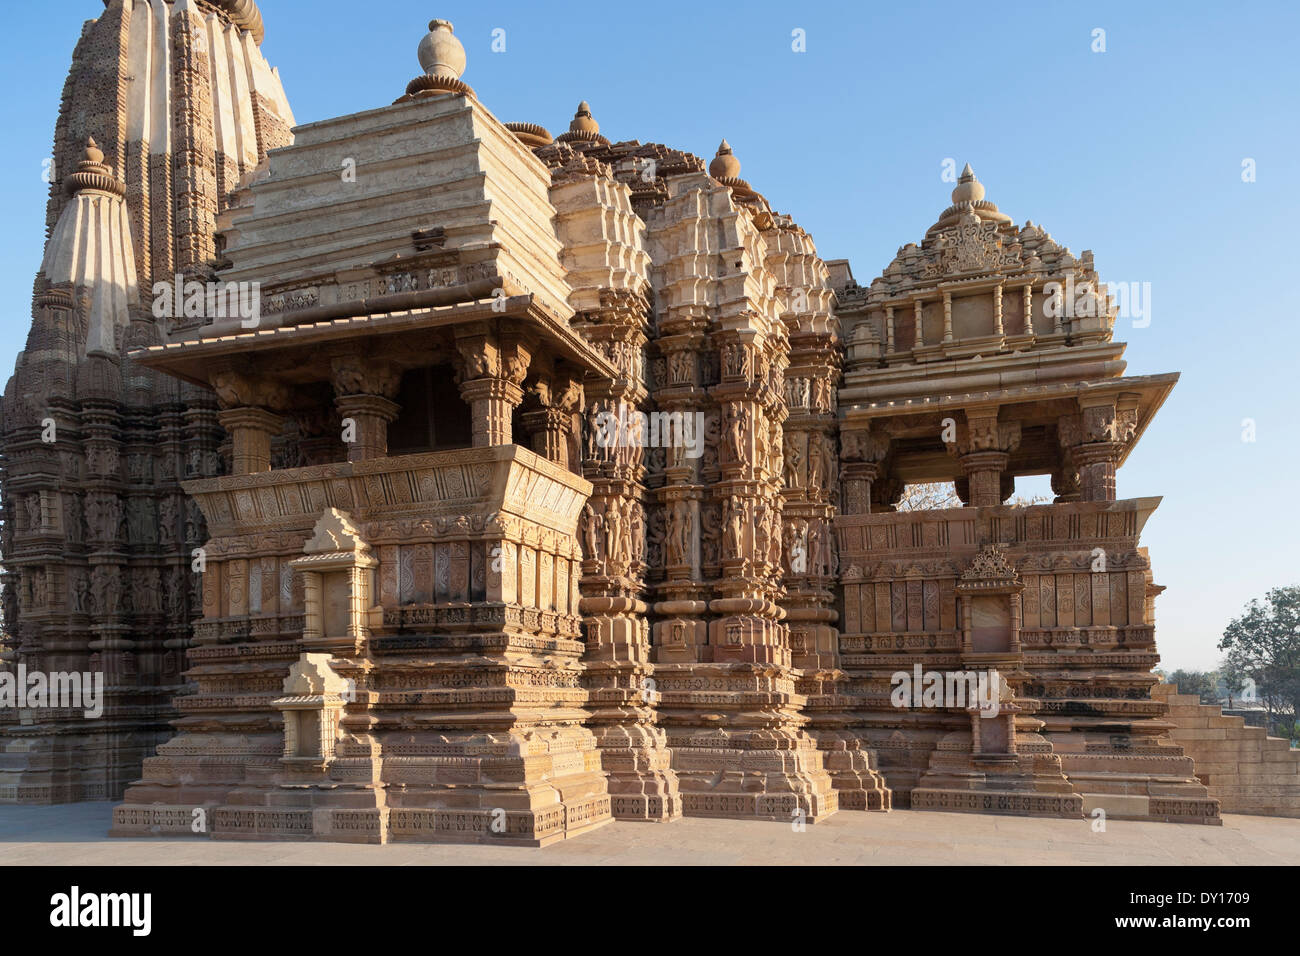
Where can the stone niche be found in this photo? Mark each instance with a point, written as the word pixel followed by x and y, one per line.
pixel 312 709
pixel 989 603
pixel 338 577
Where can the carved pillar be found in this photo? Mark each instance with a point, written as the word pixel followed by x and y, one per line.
pixel 554 399
pixel 363 396
pixel 812 565
pixel 320 429
pixel 493 369
pixel 862 454
pixel 983 448
pixel 1093 443
pixel 550 433
pixel 251 430
pixel 686 534
pixel 1097 462
pixel 246 401
pixel 369 416
pixel 811 494
pixel 984 476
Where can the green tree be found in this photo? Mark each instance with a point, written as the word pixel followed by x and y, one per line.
pixel 1263 648
pixel 1202 683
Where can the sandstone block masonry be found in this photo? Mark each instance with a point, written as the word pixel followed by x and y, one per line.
pixel 1246 770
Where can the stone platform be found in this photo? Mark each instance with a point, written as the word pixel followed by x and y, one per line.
pixel 75 835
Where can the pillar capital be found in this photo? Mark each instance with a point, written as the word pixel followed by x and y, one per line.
pixel 983 432
pixel 245 389
pixel 359 375
pixel 983 447
pixel 1093 442
pixel 864 444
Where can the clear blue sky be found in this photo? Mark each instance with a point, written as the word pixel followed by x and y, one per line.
pixel 1135 153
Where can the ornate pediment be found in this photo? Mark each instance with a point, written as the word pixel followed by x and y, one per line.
pixel 989 570
pixel 335 532
pixel 972 246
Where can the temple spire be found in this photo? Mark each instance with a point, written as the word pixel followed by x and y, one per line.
pixel 90 248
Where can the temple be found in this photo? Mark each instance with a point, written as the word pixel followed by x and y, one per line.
pixel 497 485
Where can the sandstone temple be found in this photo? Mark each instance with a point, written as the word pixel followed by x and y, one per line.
pixel 551 480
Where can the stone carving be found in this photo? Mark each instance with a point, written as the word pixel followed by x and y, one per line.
pixel 39 596
pixel 353 375
pixel 81 598
pixel 237 391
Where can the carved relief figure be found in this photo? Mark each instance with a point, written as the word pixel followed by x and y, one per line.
pixel 81 593
pixel 636 527
pixel 816 463
pixel 613 534
pixel 736 434
pixel 148 588
pixel 33 505
pixel 73 518
pixel 735 528
pixel 761 524
pixel 591 532
pixel 167 514
pixel 655 538
pixel 792 462
pixel 709 535
pixel 679 365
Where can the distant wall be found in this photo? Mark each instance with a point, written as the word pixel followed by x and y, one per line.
pixel 1248 771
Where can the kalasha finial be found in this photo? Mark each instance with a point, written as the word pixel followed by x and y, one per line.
pixel 441 54
pixel 725 165
pixel 583 128
pixel 969 189
pixel 725 168
pixel 443 60
pixel 582 120
pixel 93 174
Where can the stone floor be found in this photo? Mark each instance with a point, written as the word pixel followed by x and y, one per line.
pixel 75 835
